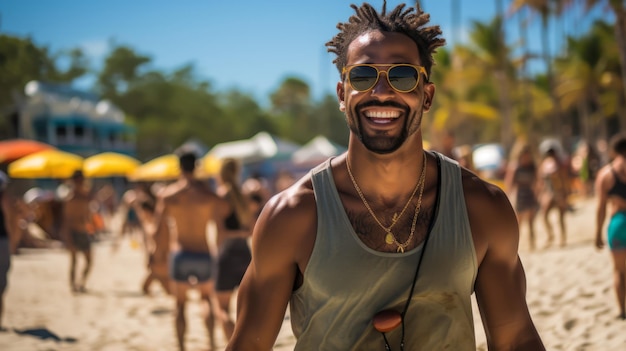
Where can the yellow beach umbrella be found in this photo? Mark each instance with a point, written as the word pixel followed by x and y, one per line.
pixel 46 164
pixel 109 164
pixel 209 166
pixel 165 167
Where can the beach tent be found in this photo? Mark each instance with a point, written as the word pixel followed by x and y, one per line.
pixel 263 146
pixel 488 156
pixel 317 150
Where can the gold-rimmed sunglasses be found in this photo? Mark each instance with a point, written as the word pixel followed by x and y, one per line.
pixel 403 77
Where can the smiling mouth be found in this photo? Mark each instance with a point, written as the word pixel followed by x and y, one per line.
pixel 382 117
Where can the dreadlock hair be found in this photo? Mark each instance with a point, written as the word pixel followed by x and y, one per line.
pixel 411 22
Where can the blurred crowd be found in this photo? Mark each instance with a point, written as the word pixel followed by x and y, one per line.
pixel 36 220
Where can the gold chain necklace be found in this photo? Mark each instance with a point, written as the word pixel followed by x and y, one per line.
pixel 390 238
pixel 418 207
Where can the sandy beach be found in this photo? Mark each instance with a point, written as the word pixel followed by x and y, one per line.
pixel 570 296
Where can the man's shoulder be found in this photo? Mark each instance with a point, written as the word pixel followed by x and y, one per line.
pixel 293 203
pixel 483 195
pixel 289 218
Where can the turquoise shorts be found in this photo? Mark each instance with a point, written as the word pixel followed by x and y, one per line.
pixel 617 231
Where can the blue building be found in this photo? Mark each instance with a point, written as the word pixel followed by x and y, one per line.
pixel 73 120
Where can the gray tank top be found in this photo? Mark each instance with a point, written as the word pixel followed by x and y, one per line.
pixel 346 283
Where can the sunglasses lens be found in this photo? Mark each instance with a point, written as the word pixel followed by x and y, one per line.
pixel 363 77
pixel 403 78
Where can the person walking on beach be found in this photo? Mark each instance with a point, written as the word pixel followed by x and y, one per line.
pixel 76 228
pixel 610 189
pixel 186 207
pixel 157 244
pixel 5 251
pixel 554 187
pixel 383 246
pixel 521 182
pixel 131 224
pixel 234 252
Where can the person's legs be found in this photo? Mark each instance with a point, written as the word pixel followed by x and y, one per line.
pixel 73 269
pixel 88 261
pixel 563 208
pixel 145 287
pixel 224 300
pixel 207 294
pixel 546 221
pixel 619 279
pixel 159 275
pixel 525 216
pixel 563 226
pixel 180 294
pixel 5 264
pixel 165 283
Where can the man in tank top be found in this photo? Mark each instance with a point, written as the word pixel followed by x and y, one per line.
pixel 341 246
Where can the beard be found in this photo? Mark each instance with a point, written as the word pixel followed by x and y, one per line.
pixel 381 142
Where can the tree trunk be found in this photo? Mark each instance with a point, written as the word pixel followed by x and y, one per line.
pixel 526 114
pixel 620 36
pixel 557 129
pixel 502 81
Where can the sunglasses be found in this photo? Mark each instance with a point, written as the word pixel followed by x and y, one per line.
pixel 403 77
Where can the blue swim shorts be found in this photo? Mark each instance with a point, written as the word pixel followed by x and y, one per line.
pixel 184 265
pixel 616 233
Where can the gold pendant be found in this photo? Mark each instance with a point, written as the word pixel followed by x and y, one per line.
pixel 400 249
pixel 389 239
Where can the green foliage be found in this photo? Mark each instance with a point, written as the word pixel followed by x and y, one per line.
pixel 21 61
pixel 479 91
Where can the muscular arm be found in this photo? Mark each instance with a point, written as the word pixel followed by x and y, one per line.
pixel 602 186
pixel 279 249
pixel 501 283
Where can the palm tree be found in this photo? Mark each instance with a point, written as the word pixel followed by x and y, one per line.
pixel 544 8
pixel 488 42
pixel 587 79
pixel 618 7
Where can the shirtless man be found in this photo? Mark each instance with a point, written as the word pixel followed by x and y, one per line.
pixel 186 207
pixel 610 188
pixel 352 243
pixel 76 228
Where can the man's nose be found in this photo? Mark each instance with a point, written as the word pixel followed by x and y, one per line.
pixel 382 86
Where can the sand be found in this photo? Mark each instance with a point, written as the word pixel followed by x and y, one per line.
pixel 570 297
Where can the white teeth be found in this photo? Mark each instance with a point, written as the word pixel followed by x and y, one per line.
pixel 382 114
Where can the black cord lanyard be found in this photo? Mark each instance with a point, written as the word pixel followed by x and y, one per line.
pixel 419 262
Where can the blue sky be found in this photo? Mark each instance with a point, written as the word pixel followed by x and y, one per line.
pixel 248 45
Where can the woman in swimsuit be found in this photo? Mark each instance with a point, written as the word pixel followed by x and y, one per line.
pixel 554 188
pixel 521 183
pixel 234 253
pixel 610 187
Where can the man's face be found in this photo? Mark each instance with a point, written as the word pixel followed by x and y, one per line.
pixel 383 118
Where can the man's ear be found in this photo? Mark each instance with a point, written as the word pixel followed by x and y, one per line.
pixel 341 95
pixel 429 94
